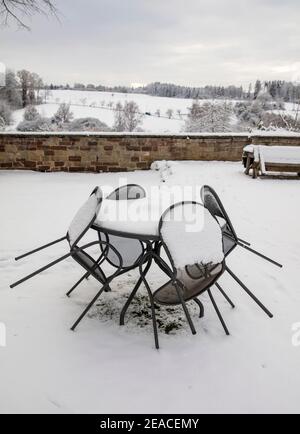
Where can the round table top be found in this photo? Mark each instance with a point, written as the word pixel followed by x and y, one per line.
pixel 187 228
pixel 133 217
pixel 136 218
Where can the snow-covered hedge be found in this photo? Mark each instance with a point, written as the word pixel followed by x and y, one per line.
pixel 88 124
pixel 37 125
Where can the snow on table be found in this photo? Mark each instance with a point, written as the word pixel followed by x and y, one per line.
pixel 192 234
pixel 139 216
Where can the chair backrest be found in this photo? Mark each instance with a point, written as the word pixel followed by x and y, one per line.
pixel 213 203
pixel 191 235
pixel 196 255
pixel 128 192
pixel 84 217
pixel 130 249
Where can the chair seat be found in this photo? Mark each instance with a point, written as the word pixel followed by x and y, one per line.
pixel 88 263
pixel 194 280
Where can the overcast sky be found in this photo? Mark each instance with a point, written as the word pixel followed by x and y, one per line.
pixel 192 42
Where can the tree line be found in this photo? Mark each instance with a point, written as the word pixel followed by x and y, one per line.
pixel 278 89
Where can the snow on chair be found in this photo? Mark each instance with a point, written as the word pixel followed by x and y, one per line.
pixel 196 259
pixel 128 192
pixel 81 223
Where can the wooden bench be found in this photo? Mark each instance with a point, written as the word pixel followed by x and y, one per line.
pixel 272 160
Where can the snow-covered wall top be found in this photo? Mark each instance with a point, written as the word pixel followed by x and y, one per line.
pixel 113 152
pixel 138 134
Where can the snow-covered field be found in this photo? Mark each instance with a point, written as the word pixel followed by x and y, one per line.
pixel 81 102
pixel 101 105
pixel 105 368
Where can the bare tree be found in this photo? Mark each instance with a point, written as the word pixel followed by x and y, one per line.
pixel 31 84
pixel 17 10
pixel 2 124
pixel 5 112
pixel 11 92
pixel 63 114
pixel 209 117
pixel 169 113
pixel 119 122
pixel 46 93
pixel 132 116
pixel 24 77
pixel 297 111
pixel 127 117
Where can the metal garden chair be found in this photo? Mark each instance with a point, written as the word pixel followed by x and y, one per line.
pixel 186 283
pixel 81 223
pixel 128 192
pixel 130 249
pixel 213 203
pixel 123 254
pixel 96 192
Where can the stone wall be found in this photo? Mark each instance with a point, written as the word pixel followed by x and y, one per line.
pixel 119 152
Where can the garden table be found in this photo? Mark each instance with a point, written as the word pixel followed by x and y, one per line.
pixel 119 222
pixel 131 227
pixel 132 218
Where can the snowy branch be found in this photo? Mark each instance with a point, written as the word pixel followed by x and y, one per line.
pixel 16 10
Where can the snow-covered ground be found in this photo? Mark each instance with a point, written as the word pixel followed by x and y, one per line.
pixel 105 368
pixel 97 105
pixel 101 105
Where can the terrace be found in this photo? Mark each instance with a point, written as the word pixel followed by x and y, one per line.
pixel 44 365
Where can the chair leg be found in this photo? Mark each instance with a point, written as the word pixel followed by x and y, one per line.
pixel 77 284
pixel 225 295
pixel 270 315
pixel 244 242
pixel 260 255
pixel 218 312
pixel 88 307
pixel 187 314
pixel 41 270
pixel 198 302
pixel 39 249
